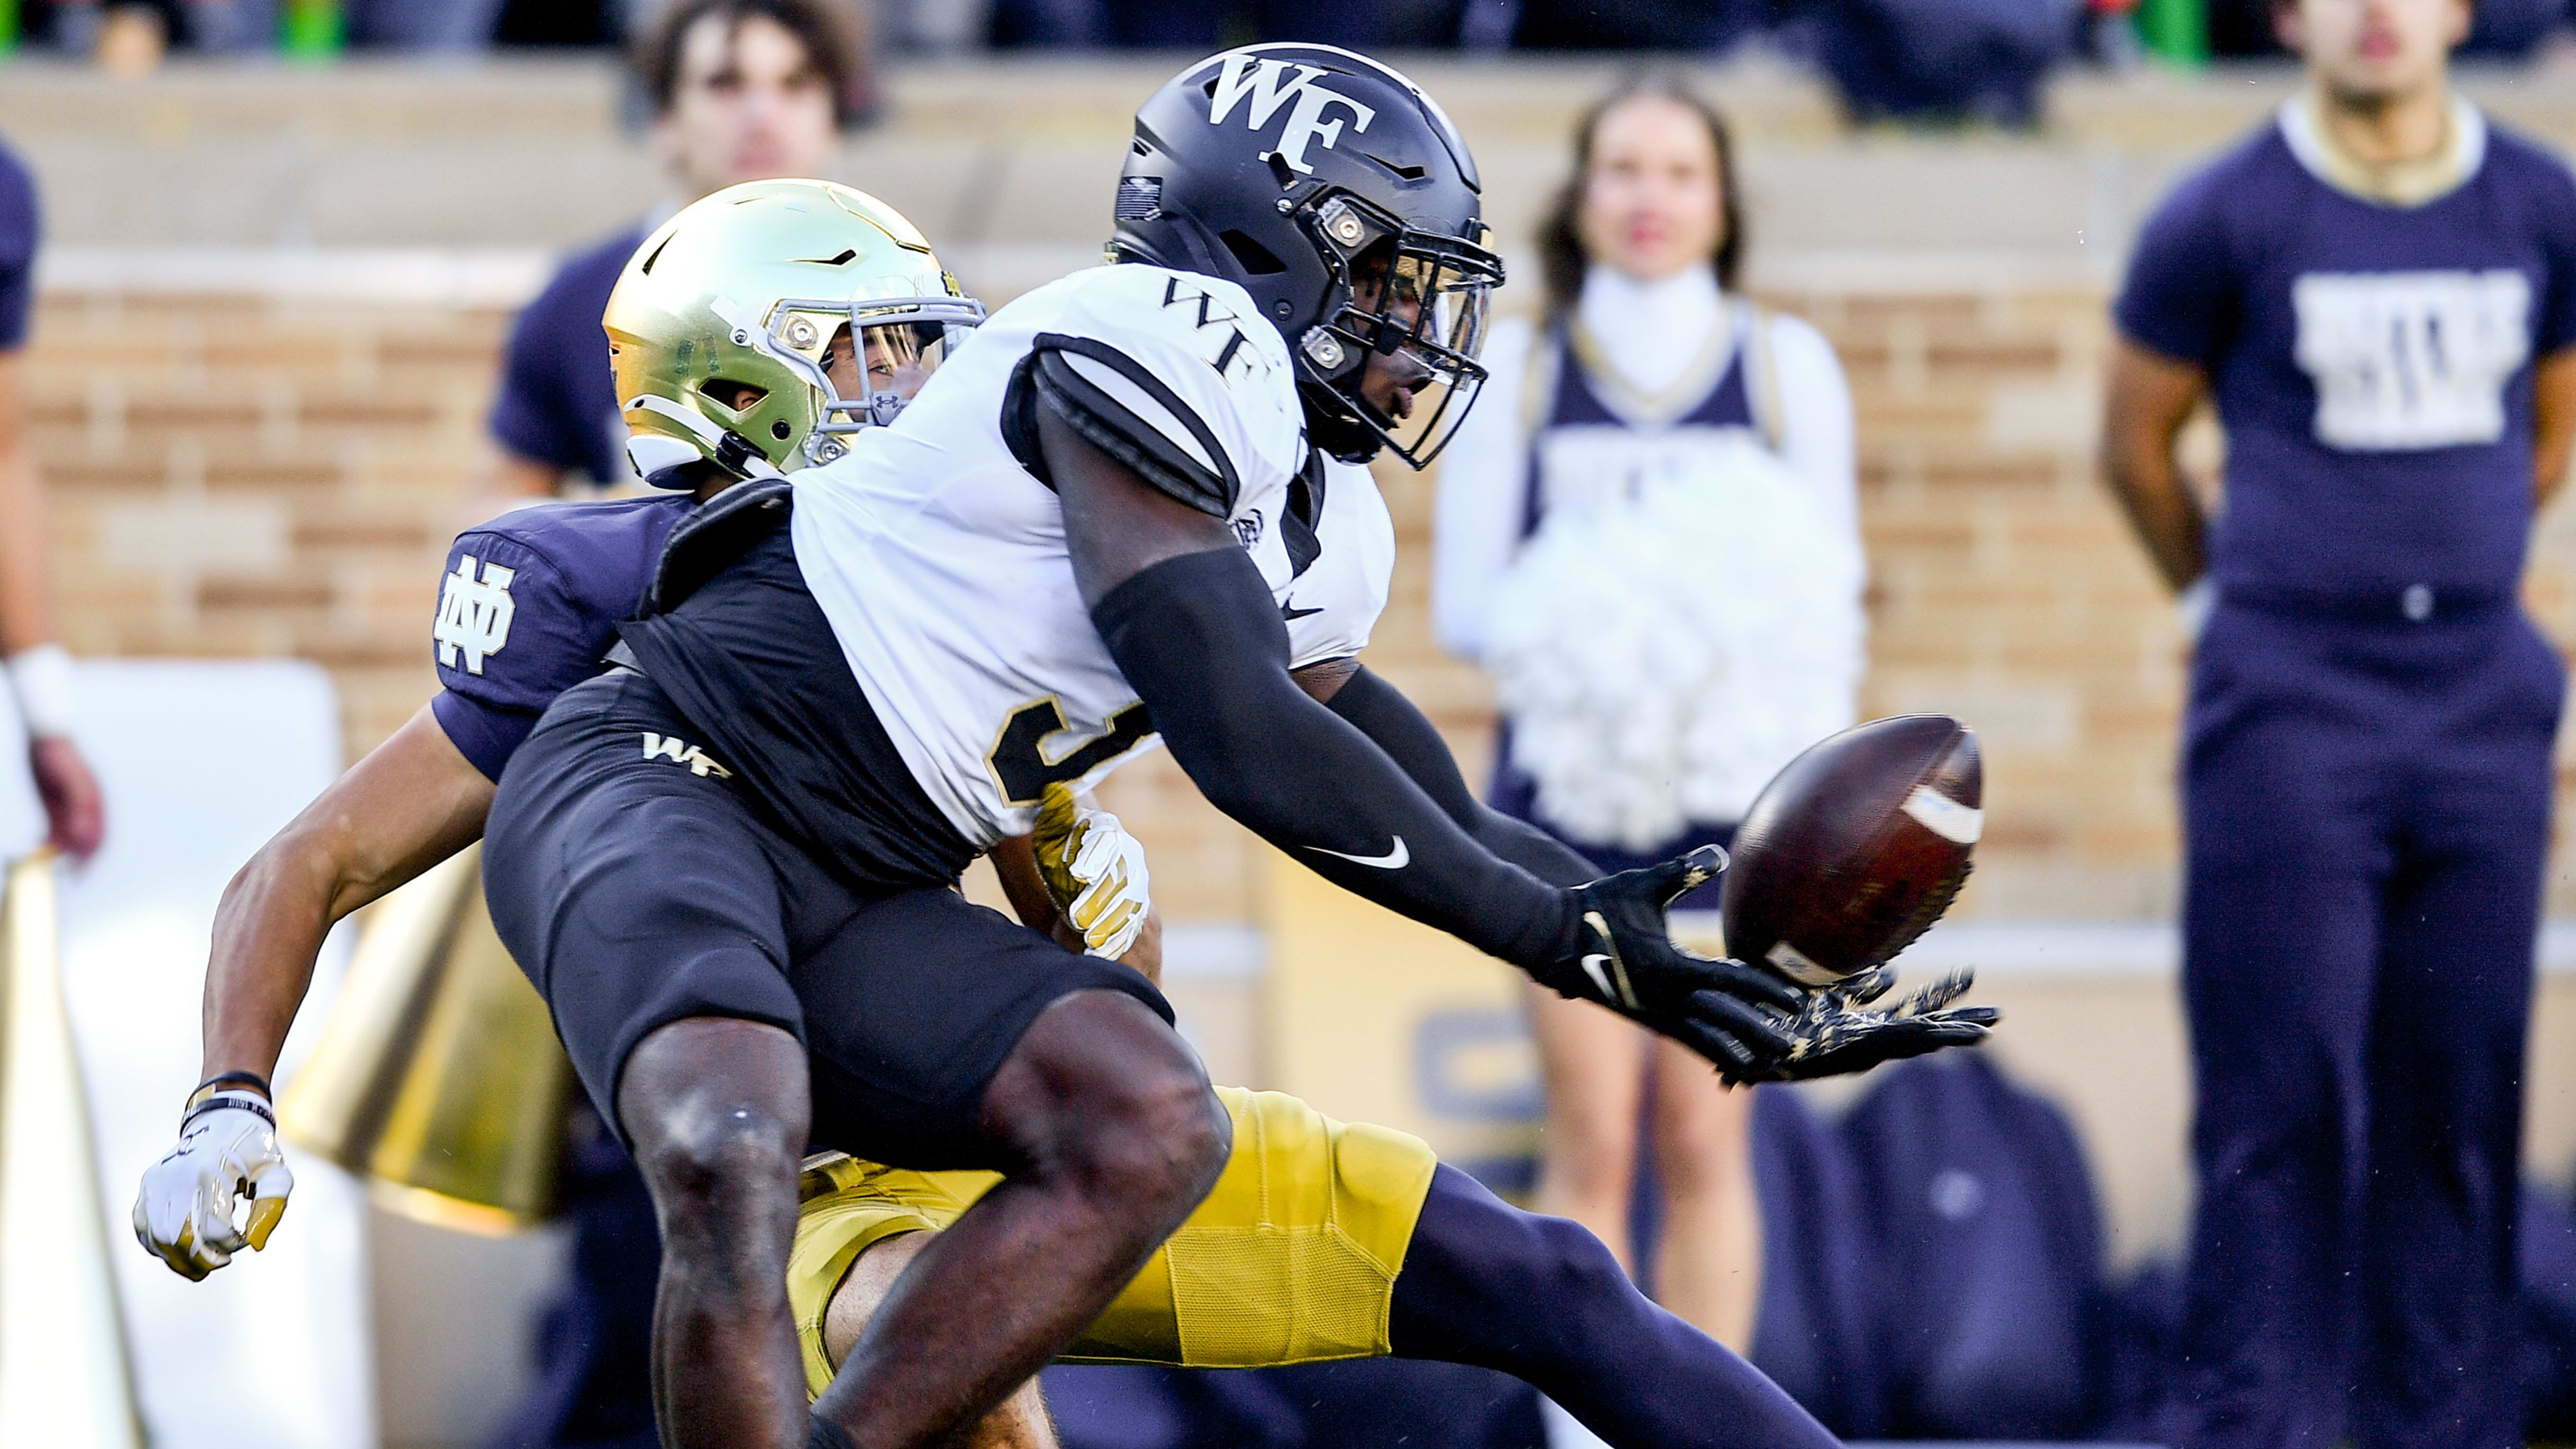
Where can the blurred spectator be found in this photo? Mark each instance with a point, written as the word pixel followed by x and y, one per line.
pixel 2378 291
pixel 39 671
pixel 1647 528
pixel 1195 25
pixel 1636 24
pixel 423 25
pixel 740 90
pixel 1940 60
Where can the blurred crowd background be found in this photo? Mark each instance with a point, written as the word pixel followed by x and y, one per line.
pixel 286 244
pixel 1936 59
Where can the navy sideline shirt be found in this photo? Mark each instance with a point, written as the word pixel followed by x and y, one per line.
pixel 18 228
pixel 558 403
pixel 529 608
pixel 2370 362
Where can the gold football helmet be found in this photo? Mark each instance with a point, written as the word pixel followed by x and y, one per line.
pixel 757 327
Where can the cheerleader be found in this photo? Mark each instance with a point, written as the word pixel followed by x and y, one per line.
pixel 1647 531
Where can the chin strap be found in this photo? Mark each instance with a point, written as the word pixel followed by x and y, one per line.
pixel 658 457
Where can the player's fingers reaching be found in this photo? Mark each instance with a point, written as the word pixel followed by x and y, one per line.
pixel 1675 878
pixel 1935 996
pixel 1764 1030
pixel 1863 987
pixel 1732 1058
pixel 1837 1041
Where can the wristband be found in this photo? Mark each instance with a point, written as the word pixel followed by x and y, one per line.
pixel 222 1081
pixel 42 680
pixel 233 1100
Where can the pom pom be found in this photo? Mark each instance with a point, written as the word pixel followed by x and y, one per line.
pixel 1667 642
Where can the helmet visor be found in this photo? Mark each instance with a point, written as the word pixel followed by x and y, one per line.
pixel 1417 312
pixel 900 342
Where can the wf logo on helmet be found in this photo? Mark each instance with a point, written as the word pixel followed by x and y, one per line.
pixel 1269 86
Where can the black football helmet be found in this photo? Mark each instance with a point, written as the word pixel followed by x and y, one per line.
pixel 1340 196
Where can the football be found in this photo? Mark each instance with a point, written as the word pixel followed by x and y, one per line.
pixel 1855 848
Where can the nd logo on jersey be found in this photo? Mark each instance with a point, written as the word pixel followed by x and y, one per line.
pixel 473 613
pixel 1268 85
pixel 2411 359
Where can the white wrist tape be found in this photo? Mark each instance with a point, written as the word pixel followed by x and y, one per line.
pixel 42 679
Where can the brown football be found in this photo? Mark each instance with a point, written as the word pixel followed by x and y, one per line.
pixel 1855 848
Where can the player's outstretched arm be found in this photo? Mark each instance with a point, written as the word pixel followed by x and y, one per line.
pixel 1194 629
pixel 411 803
pixel 1380 711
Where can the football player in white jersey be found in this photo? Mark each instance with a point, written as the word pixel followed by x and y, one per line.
pixel 1083 534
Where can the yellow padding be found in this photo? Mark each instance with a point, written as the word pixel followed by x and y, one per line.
pixel 1291 1259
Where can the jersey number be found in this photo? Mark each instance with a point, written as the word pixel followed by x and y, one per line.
pixel 1020 760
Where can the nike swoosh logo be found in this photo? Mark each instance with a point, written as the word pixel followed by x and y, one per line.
pixel 1289 611
pixel 1593 967
pixel 1393 860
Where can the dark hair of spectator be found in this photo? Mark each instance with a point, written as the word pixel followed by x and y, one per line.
pixel 1562 259
pixel 833 33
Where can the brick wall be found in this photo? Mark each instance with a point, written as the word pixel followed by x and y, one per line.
pixel 236 476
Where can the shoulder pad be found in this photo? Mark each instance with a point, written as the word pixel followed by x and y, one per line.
pixel 1127 412
pixel 712 537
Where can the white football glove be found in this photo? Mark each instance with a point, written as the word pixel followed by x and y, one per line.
pixel 1095 870
pixel 227 1155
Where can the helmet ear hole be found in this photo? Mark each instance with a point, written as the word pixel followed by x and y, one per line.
pixel 731 395
pixel 1252 256
pixel 780 430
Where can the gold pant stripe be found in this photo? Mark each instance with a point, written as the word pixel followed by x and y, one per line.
pixel 1291 1259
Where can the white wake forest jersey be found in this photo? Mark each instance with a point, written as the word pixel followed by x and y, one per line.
pixel 940 559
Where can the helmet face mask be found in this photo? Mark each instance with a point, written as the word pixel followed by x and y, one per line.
pixel 1344 201
pixel 901 341
pixel 761 326
pixel 1419 297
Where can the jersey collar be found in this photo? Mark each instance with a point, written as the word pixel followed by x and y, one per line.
pixel 2406 184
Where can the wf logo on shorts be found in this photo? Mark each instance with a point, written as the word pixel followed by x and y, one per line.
pixel 2411 359
pixel 473 613
pixel 1268 85
pixel 680 752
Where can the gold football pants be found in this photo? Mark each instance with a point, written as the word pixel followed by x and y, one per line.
pixel 1292 1258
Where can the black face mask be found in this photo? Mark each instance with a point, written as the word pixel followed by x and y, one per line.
pixel 1399 293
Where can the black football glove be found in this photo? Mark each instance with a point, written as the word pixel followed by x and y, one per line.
pixel 1837 1033
pixel 1737 1016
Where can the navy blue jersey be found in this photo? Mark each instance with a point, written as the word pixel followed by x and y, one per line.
pixel 530 605
pixel 17 250
pixel 557 403
pixel 2371 362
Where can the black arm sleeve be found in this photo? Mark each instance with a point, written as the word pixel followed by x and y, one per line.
pixel 1199 638
pixel 1378 710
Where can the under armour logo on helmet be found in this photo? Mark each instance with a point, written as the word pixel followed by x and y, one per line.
pixel 1269 85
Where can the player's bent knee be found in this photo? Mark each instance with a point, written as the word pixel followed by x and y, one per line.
pixel 713 1107
pixel 1168 1144
pixel 1551 1263
pixel 1103 1092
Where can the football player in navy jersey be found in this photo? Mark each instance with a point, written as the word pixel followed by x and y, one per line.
pixel 741 90
pixel 1081 536
pixel 2378 292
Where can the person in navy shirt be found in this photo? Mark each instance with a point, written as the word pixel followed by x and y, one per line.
pixel 2378 291
pixel 742 90
pixel 38 671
